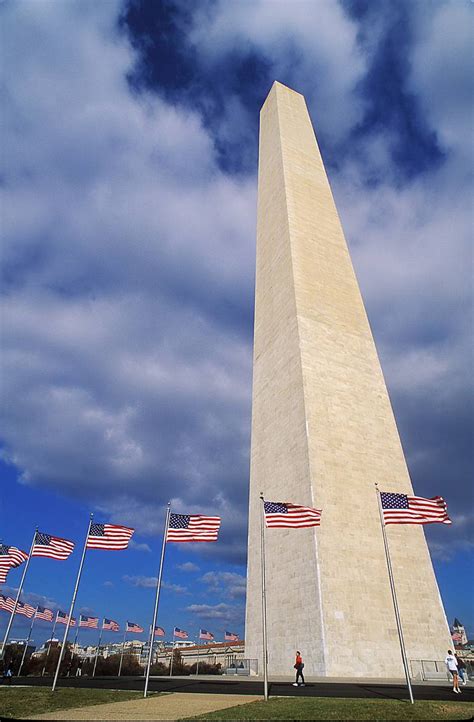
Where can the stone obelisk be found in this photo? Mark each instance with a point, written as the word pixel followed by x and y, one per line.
pixel 323 433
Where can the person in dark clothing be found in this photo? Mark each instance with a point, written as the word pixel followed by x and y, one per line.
pixel 299 671
pixel 461 670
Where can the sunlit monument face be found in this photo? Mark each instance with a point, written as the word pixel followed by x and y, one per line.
pixel 323 433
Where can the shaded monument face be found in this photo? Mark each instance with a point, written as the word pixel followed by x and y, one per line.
pixel 323 433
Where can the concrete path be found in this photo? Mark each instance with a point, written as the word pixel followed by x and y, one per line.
pixel 165 707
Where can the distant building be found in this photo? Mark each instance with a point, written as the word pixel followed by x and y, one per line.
pixel 458 633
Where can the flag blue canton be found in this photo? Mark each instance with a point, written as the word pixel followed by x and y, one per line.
pixel 42 538
pixel 272 507
pixel 97 530
pixel 394 501
pixel 179 521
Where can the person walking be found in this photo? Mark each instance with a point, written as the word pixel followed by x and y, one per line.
pixel 452 666
pixel 462 670
pixel 299 670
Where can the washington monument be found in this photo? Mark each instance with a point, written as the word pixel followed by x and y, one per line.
pixel 323 433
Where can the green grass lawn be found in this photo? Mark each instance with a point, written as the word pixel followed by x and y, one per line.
pixel 324 708
pixel 30 701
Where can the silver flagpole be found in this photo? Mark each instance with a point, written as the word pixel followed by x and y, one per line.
pixel 197 665
pixel 27 642
pixel 20 588
pixel 98 648
pixel 123 649
pixel 71 609
pixel 264 603
pixel 394 596
pixel 157 597
pixel 49 648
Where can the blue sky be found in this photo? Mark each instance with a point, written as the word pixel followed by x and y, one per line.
pixel 129 194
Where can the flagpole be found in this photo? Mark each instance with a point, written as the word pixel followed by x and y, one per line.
pixel 123 649
pixel 264 602
pixel 27 642
pixel 157 596
pixel 71 609
pixel 394 596
pixel 98 648
pixel 197 665
pixel 49 648
pixel 20 588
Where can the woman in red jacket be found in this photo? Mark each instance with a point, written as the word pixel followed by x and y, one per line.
pixel 299 671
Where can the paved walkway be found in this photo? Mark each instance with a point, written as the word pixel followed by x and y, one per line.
pixel 163 707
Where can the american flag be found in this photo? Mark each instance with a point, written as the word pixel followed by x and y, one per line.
pixel 403 509
pixel 180 633
pixel 204 634
pixel 456 636
pixel 43 613
pixel 10 557
pixel 7 604
pixel 109 536
pixel 53 547
pixel 62 618
pixel 90 622
pixel 159 632
pixel 193 528
pixel 25 609
pixel 132 627
pixel 110 625
pixel 285 515
pixel 231 637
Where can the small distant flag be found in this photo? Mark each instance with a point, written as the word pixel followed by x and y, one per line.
pixel 231 637
pixel 109 536
pixel 90 622
pixel 10 557
pixel 25 609
pixel 204 634
pixel 45 614
pixel 62 618
pixel 404 509
pixel 110 625
pixel 7 604
pixel 285 515
pixel 193 528
pixel 132 627
pixel 456 637
pixel 159 632
pixel 52 547
pixel 180 633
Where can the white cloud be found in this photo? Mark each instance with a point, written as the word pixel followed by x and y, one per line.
pixel 312 45
pixel 188 567
pixel 229 584
pixel 123 241
pixel 138 546
pixel 224 612
pixel 151 582
pixel 128 256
